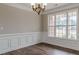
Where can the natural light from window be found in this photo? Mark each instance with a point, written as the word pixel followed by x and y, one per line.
pixel 63 25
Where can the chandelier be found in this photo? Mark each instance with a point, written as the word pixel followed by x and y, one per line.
pixel 38 7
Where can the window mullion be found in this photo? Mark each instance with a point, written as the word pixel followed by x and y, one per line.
pixel 67 25
pixel 55 26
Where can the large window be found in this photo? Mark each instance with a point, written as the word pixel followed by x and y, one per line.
pixel 63 25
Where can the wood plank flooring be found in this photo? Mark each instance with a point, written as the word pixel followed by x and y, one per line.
pixel 43 49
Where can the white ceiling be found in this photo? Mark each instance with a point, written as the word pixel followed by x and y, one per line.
pixel 27 6
pixel 48 7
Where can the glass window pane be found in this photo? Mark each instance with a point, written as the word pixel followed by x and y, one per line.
pixel 64 32
pixel 51 21
pixel 61 19
pixel 72 32
pixel 58 31
pixel 51 31
pixel 61 31
pixel 72 17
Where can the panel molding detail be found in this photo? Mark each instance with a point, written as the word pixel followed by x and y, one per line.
pixel 10 42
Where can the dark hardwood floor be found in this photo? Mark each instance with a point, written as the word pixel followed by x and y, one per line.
pixel 43 49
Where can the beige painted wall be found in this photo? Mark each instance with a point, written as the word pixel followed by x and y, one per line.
pixel 44 22
pixel 14 20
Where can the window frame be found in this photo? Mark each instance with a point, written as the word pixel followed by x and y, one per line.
pixel 66 11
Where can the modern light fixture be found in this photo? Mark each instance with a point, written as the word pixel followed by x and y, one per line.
pixel 38 7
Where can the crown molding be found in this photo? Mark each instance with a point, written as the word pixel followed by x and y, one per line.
pixel 62 8
pixel 17 5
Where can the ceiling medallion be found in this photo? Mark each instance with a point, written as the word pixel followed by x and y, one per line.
pixel 39 7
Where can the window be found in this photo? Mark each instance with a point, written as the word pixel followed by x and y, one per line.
pixel 63 25
pixel 72 20
pixel 51 25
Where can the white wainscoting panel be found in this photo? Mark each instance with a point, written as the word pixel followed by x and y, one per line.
pixel 4 45
pixel 10 42
pixel 14 43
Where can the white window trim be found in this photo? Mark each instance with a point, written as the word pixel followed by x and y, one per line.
pixel 66 11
